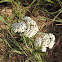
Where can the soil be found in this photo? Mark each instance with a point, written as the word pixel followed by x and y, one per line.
pixel 54 55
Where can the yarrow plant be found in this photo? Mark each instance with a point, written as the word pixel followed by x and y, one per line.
pixel 45 40
pixel 29 28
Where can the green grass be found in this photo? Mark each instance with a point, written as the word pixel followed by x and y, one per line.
pixel 26 47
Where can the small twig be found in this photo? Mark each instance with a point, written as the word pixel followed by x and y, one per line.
pixel 25 54
pixel 57 43
pixel 58 24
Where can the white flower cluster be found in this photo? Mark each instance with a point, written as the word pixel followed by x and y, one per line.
pixel 28 27
pixel 46 40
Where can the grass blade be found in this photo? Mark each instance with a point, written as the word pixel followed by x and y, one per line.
pixel 5 1
pixel 14 50
pixel 1 18
pixel 6 42
pixel 44 18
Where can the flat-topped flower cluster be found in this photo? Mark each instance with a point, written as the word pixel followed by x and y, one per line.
pixel 45 40
pixel 29 28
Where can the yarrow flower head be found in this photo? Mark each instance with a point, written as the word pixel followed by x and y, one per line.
pixel 46 40
pixel 27 26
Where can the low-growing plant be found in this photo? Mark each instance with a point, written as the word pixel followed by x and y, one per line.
pixel 22 44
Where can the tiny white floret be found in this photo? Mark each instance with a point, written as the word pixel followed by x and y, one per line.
pixel 43 49
pixel 38 42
